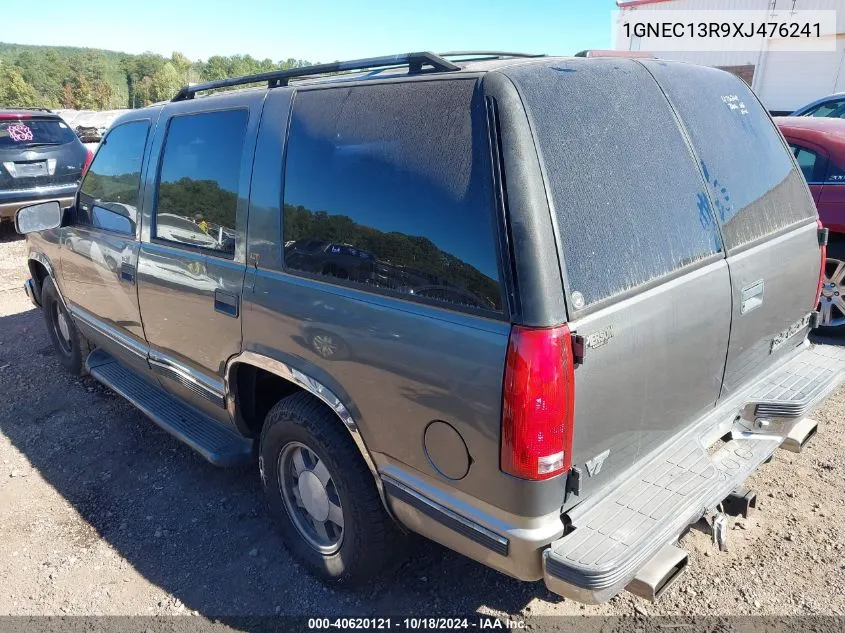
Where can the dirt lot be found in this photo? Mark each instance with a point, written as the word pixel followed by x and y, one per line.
pixel 103 513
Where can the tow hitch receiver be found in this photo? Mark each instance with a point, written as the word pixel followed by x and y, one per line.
pixel 740 503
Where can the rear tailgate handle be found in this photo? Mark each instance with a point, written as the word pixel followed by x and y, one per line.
pixel 226 303
pixel 751 297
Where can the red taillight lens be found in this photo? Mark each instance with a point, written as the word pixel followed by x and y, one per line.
pixel 538 404
pixel 17 115
pixel 821 272
pixel 88 158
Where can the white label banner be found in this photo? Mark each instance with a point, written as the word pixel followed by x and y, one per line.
pixel 723 30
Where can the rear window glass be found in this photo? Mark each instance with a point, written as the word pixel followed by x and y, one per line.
pixel 753 182
pixel 29 132
pixel 629 199
pixel 386 187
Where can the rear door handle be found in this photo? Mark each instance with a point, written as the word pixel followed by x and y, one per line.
pixel 127 272
pixel 226 303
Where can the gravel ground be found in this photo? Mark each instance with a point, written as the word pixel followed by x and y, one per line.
pixel 103 513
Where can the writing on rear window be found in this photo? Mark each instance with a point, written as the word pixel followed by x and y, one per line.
pixel 735 103
pixel 20 132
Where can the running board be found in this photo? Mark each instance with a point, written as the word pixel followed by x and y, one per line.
pixel 216 443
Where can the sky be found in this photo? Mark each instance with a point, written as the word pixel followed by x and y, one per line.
pixel 317 31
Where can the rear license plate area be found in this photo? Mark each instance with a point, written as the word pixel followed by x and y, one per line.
pixel 31 170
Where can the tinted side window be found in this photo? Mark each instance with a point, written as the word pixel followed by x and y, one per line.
pixel 387 186
pixel 628 196
pixel 197 196
pixel 807 160
pixel 834 109
pixel 109 192
pixel 751 177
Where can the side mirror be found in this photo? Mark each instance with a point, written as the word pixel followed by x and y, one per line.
pixel 38 217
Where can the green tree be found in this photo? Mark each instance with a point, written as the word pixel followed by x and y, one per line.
pixel 14 91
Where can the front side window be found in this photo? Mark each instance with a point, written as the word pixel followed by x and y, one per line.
pixel 110 190
pixel 386 187
pixel 197 196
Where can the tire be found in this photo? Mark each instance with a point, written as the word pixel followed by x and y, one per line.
pixel 831 307
pixel 368 541
pixel 327 345
pixel 71 346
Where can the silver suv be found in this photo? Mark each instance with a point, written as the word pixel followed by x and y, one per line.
pixel 546 311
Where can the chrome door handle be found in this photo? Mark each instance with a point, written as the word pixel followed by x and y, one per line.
pixel 751 297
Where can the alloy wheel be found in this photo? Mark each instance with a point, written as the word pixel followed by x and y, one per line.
pixel 310 497
pixel 832 301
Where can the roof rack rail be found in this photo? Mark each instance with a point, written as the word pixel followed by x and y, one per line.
pixel 483 54
pixel 276 78
pixel 598 52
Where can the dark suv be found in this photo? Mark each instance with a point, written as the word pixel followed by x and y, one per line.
pixel 40 159
pixel 546 311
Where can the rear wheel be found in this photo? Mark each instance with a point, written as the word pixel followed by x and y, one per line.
pixel 323 494
pixel 832 302
pixel 72 347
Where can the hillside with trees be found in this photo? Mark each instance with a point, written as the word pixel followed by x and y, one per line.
pixel 94 79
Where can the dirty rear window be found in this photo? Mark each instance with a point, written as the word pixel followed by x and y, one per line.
pixel 628 196
pixel 27 132
pixel 755 187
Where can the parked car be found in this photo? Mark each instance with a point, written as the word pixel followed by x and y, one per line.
pixel 40 159
pixel 831 106
pixel 572 323
pixel 818 145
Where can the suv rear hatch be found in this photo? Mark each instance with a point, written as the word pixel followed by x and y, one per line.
pixel 38 151
pixel 690 261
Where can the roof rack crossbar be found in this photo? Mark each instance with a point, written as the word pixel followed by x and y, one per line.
pixel 275 78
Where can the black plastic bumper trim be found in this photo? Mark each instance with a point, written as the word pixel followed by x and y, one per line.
pixel 452 520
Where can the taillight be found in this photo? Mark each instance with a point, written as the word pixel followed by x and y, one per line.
pixel 821 272
pixel 538 403
pixel 88 158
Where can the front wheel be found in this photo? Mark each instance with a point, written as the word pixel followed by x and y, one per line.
pixel 323 494
pixel 71 345
pixel 832 301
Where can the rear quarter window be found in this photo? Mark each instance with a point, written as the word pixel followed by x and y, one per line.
pixel 628 198
pixel 750 176
pixel 388 188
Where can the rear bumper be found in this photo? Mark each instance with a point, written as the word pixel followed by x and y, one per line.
pixel 616 536
pixel 11 201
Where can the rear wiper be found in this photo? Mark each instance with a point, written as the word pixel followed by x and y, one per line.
pixel 40 144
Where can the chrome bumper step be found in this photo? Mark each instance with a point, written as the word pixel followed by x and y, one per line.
pixel 615 538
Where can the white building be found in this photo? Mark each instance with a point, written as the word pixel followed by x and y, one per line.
pixel 784 80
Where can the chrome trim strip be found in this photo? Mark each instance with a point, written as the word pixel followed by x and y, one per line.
pixel 450 519
pixel 186 377
pixel 126 342
pixel 314 387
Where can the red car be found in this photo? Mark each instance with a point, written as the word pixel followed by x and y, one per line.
pixel 819 148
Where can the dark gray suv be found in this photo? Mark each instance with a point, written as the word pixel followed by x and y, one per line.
pixel 40 159
pixel 549 312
